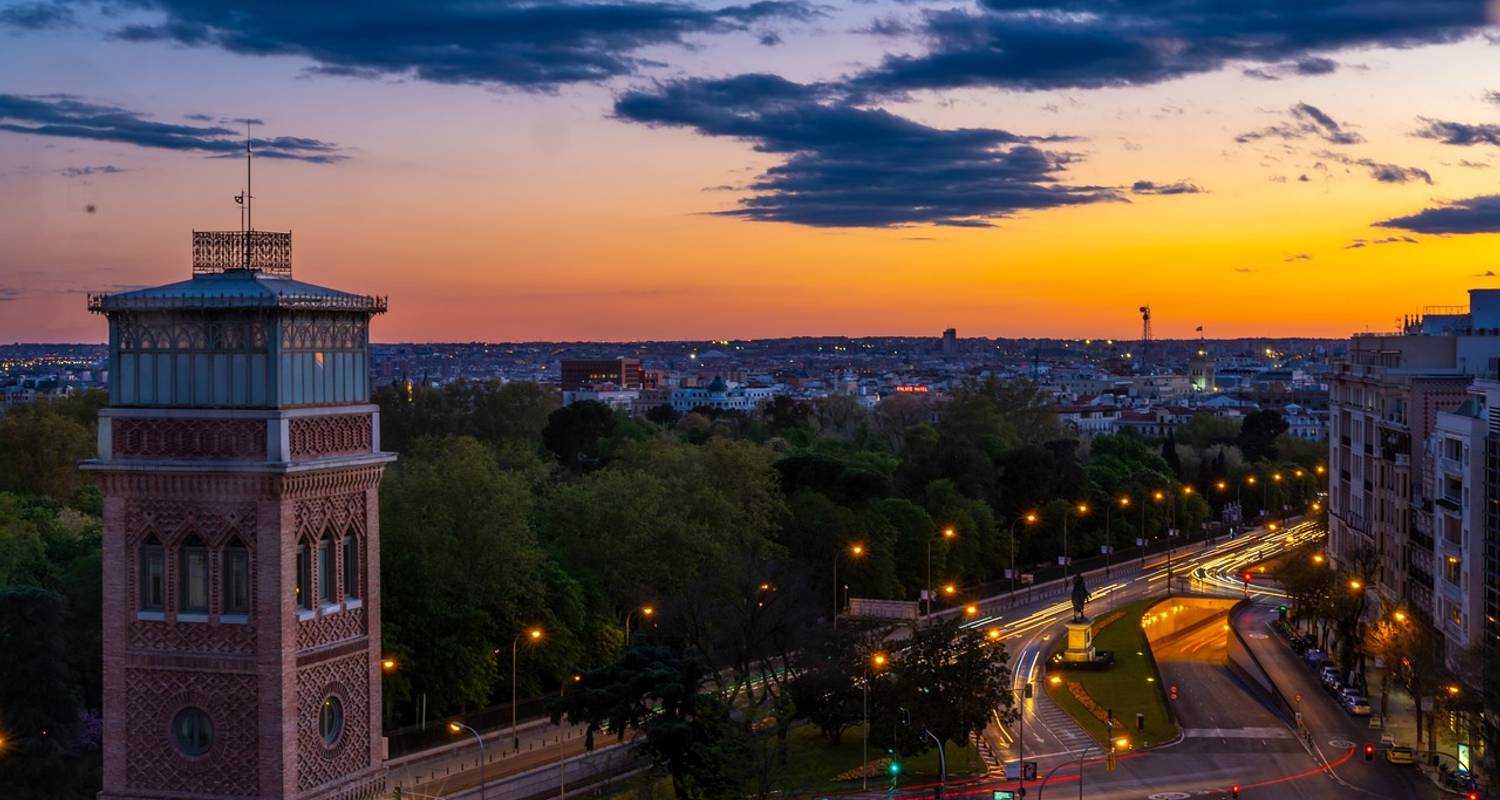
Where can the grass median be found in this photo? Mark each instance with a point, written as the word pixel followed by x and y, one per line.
pixel 1131 685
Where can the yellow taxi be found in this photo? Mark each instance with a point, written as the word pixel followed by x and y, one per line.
pixel 1400 754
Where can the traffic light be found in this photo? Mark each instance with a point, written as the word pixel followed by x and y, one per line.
pixel 894 768
pixel 1472 796
pixel 1281 613
pixel 1369 752
pixel 1234 791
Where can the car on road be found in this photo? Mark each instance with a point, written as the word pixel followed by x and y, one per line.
pixel 1357 706
pixel 1400 754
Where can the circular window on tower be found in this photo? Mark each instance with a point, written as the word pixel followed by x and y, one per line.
pixel 192 731
pixel 331 720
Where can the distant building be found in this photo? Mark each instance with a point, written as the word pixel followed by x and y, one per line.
pixel 1201 371
pixel 950 342
pixel 585 373
pixel 720 396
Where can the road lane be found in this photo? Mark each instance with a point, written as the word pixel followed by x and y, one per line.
pixel 1332 729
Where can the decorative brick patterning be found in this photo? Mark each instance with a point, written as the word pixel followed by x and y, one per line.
pixel 331 628
pixel 157 437
pixel 348 679
pixel 155 763
pixel 331 435
pixel 192 638
pixel 333 513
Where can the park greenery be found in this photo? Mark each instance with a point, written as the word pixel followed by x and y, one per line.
pixel 507 512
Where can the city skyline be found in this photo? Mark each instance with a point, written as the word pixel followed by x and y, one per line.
pixel 685 172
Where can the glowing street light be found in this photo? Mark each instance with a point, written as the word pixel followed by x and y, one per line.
pixel 993 634
pixel 534 635
pixel 1030 519
pixel 971 610
pixel 878 661
pixel 1400 616
pixel 1318 558
pixel 948 533
pixel 856 550
pixel 459 727
pixel 1355 584
pixel 388 664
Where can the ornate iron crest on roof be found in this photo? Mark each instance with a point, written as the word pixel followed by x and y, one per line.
pixel 262 251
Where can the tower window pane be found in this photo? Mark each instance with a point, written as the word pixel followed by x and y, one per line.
pixel 304 577
pixel 193 580
pixel 351 566
pixel 193 731
pixel 153 576
pixel 331 720
pixel 236 579
pixel 325 569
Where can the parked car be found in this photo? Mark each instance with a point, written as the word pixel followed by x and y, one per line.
pixel 1400 754
pixel 1357 706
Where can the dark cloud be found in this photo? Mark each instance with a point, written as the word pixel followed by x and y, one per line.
pixel 1361 243
pixel 888 26
pixel 1385 173
pixel 1474 215
pixel 1179 187
pixel 84 172
pixel 68 117
pixel 1298 257
pixel 1022 44
pixel 1464 162
pixel 8 293
pixel 850 166
pixel 1458 133
pixel 536 45
pixel 770 39
pixel 1312 65
pixel 1489 273
pixel 1307 120
pixel 1492 96
pixel 36 16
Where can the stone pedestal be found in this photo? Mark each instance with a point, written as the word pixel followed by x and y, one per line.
pixel 1080 641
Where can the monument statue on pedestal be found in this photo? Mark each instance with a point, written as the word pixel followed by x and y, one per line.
pixel 1080 596
pixel 1080 630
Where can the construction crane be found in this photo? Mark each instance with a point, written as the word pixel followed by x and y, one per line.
pixel 1145 335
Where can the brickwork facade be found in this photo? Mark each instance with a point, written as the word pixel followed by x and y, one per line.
pixel 241 567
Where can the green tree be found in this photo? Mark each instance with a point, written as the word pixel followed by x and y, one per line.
pixel 576 433
pixel 40 446
pixel 690 734
pixel 1258 434
pixel 459 568
pixel 949 680
pixel 39 699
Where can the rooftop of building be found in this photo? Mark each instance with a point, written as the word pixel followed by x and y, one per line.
pixel 234 289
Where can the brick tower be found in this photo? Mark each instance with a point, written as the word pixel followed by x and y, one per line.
pixel 240 460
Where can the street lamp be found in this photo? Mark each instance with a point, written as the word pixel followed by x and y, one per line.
pixel 459 727
pixel 948 533
pixel 878 661
pixel 388 664
pixel 534 635
pixel 646 611
pixel 1081 508
pixel 1124 502
pixel 1030 519
pixel 856 550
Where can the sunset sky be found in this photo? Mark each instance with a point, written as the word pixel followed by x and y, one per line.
pixel 558 170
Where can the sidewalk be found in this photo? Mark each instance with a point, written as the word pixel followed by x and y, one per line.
pixel 1400 723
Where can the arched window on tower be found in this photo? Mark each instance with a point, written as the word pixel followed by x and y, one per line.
pixel 192 579
pixel 351 566
pixel 304 577
pixel 326 570
pixel 236 588
pixel 153 575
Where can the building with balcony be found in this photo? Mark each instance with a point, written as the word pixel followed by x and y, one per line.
pixel 1385 396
